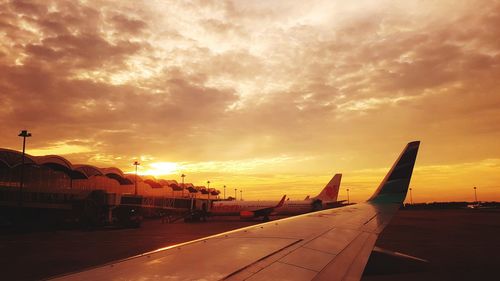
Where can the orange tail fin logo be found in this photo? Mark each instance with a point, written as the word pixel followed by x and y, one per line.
pixel 330 190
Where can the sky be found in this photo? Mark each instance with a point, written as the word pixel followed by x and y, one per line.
pixel 270 97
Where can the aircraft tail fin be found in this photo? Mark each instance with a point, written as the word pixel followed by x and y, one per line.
pixel 282 201
pixel 394 186
pixel 331 190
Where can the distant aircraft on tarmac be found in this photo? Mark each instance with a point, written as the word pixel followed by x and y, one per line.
pixel 259 211
pixel 253 209
pixel 332 244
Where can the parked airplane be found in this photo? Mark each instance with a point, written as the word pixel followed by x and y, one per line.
pixel 331 244
pixel 246 209
pixel 259 211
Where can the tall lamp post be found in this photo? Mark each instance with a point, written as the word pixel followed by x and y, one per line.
pixel 411 197
pixel 348 196
pixel 136 163
pixel 224 192
pixel 475 194
pixel 24 134
pixel 208 189
pixel 235 197
pixel 241 194
pixel 183 176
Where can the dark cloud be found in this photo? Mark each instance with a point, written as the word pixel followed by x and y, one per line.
pixel 26 7
pixel 129 25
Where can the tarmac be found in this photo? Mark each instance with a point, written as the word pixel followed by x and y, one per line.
pixel 459 245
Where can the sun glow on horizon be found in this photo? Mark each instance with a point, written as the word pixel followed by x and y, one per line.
pixel 161 168
pixel 244 166
pixel 60 148
pixel 452 181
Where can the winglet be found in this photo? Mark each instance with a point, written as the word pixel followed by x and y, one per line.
pixel 394 186
pixel 282 201
pixel 331 191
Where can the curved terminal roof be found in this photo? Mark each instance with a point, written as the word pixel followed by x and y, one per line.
pixel 88 170
pixel 11 158
pixel 163 182
pixel 119 179
pixel 202 189
pixel 191 188
pixel 173 184
pixel 54 160
pixel 112 170
pixel 148 177
pixel 153 183
pixel 167 182
pixel 132 177
pixel 59 163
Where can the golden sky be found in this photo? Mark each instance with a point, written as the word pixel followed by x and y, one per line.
pixel 271 97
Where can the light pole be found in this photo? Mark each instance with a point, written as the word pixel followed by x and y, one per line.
pixel 136 163
pixel 208 189
pixel 475 194
pixel 348 196
pixel 183 176
pixel 241 194
pixel 24 134
pixel 235 197
pixel 224 192
pixel 411 197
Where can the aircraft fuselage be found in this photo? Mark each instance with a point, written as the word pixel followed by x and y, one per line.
pixel 233 208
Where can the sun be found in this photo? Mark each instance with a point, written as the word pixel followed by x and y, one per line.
pixel 162 168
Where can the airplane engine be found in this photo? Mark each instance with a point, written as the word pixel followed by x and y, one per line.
pixel 247 215
pixel 317 205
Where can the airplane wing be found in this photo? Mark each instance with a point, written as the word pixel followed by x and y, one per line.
pixel 332 244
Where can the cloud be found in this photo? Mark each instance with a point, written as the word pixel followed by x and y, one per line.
pixel 344 83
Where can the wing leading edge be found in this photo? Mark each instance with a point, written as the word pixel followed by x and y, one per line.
pixel 332 244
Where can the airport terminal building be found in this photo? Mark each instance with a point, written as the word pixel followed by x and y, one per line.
pixel 51 182
pixel 53 173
